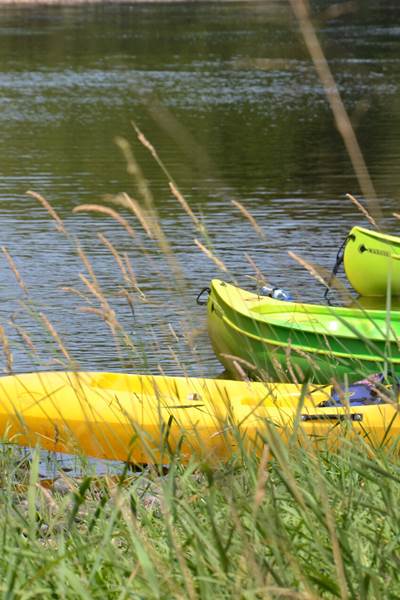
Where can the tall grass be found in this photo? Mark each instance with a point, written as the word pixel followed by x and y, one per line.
pixel 294 524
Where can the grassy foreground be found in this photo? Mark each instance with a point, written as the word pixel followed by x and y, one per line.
pixel 293 524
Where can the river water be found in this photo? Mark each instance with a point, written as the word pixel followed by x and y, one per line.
pixel 227 95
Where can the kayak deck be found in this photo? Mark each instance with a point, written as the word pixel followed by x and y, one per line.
pixel 336 321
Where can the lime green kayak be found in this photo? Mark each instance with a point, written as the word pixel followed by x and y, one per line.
pixel 372 262
pixel 283 341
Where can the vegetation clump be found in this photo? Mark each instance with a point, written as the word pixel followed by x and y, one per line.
pixel 295 524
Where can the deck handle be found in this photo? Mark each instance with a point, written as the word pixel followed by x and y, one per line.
pixel 332 417
pixel 338 262
pixel 203 291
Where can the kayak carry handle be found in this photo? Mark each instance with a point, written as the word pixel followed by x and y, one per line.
pixel 203 291
pixel 338 262
pixel 332 417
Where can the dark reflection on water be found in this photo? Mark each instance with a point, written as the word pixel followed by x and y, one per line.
pixel 256 128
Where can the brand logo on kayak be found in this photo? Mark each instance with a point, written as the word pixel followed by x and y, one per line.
pixel 363 248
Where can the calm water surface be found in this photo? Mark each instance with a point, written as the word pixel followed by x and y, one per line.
pixel 228 96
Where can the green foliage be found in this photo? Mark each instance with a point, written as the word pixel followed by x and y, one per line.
pixel 293 524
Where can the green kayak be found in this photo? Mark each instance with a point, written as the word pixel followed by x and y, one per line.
pixel 277 340
pixel 372 262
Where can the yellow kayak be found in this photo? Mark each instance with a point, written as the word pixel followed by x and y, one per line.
pixel 372 262
pixel 143 419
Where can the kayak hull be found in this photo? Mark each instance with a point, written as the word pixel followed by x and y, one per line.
pixel 136 418
pixel 372 262
pixel 284 341
pixel 144 419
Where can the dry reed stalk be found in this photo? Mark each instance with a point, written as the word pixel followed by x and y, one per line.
pixel 276 365
pixel 106 210
pixel 175 357
pixel 143 186
pixel 289 364
pixel 88 265
pixel 127 202
pixel 132 276
pixel 93 285
pixel 262 478
pixel 260 278
pixel 95 290
pixel 164 244
pixel 312 270
pixel 25 337
pixel 145 142
pixel 131 577
pixel 250 218
pixel 173 332
pixel 194 333
pixel 133 168
pixel 363 210
pixel 51 329
pixel 186 206
pixel 14 269
pixel 308 358
pixel 211 256
pixel 107 313
pixel 6 349
pixel 76 292
pixel 342 120
pixel 92 310
pixel 115 254
pixel 242 361
pixel 300 374
pixel 59 223
pixel 109 318
pixel 128 341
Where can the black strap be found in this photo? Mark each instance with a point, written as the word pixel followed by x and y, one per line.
pixel 332 417
pixel 203 291
pixel 338 262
